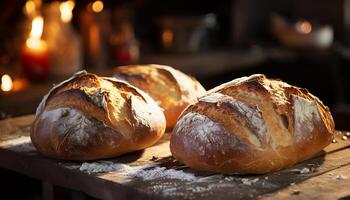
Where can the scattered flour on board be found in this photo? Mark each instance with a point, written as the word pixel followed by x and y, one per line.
pixel 17 141
pixel 150 172
pixel 145 173
pixel 304 170
pixel 25 147
pixel 102 167
pixel 162 172
pixel 173 182
pixel 247 181
pixel 20 144
pixel 341 177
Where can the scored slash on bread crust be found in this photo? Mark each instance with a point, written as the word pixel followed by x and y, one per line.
pixel 170 88
pixel 88 117
pixel 251 125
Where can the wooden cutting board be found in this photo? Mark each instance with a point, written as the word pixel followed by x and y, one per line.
pixel 154 174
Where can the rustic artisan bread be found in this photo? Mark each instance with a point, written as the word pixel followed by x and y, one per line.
pixel 170 88
pixel 251 125
pixel 88 117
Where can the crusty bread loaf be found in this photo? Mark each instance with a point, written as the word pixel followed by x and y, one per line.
pixel 251 125
pixel 88 117
pixel 170 88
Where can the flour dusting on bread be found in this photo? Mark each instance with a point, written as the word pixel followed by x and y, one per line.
pixel 261 124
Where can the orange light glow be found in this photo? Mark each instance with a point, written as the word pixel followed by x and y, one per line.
pixel 12 85
pixel 167 37
pixel 35 44
pixel 6 83
pixel 304 27
pixel 66 9
pixel 94 35
pixel 97 6
pixel 37 27
pixel 34 41
pixel 30 7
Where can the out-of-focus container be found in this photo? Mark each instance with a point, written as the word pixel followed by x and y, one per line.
pixel 63 42
pixel 186 33
pixel 301 34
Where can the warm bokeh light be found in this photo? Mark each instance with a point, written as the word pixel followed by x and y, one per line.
pixel 38 3
pixel 97 6
pixel 304 27
pixel 36 44
pixel 34 41
pixel 30 7
pixel 6 83
pixel 95 41
pixel 66 9
pixel 37 27
pixel 167 38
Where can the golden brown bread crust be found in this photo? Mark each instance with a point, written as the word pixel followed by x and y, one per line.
pixel 251 125
pixel 170 88
pixel 88 117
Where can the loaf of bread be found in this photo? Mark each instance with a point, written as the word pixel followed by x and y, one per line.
pixel 251 125
pixel 88 117
pixel 170 88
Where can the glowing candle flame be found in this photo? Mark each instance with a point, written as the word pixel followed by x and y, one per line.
pixel 34 40
pixel 6 83
pixel 37 27
pixel 66 9
pixel 97 6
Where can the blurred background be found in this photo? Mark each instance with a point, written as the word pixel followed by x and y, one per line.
pixel 42 42
pixel 305 43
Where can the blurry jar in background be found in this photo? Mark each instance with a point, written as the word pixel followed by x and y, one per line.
pixel 124 46
pixel 184 34
pixel 94 25
pixel 63 41
pixel 108 35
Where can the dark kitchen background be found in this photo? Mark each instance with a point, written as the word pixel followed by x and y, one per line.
pixel 303 42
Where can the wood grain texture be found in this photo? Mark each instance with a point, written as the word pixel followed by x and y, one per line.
pixel 154 174
pixel 331 185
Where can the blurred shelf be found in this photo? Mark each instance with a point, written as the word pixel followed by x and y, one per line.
pixel 24 101
pixel 202 65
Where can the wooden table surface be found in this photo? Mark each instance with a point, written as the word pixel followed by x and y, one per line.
pixel 154 174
